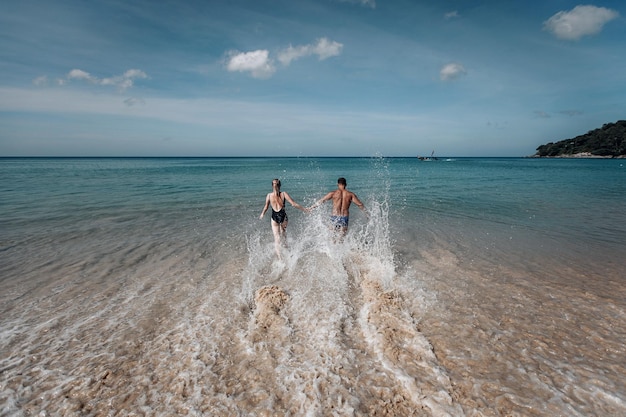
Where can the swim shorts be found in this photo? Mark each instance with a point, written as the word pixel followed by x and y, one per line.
pixel 339 221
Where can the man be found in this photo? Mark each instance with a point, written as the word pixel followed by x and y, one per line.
pixel 342 198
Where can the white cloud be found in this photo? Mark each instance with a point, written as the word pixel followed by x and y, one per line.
pixel 451 15
pixel 135 73
pixel 451 72
pixel 257 63
pixel 122 82
pixel 125 81
pixel 77 74
pixel 260 65
pixel 579 22
pixel 324 49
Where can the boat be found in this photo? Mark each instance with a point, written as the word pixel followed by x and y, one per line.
pixel 426 158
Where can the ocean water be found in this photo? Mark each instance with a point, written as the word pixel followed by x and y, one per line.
pixel 473 287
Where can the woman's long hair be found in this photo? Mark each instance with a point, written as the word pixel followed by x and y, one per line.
pixel 276 188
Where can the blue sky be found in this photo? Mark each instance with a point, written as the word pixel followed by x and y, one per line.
pixel 306 77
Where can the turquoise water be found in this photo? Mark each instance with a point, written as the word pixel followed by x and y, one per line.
pixel 476 286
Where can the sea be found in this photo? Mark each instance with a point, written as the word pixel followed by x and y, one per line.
pixel 468 287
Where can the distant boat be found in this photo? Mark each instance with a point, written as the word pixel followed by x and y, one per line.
pixel 426 158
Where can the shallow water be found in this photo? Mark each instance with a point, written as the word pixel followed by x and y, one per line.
pixel 476 287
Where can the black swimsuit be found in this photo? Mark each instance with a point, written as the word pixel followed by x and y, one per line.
pixel 279 216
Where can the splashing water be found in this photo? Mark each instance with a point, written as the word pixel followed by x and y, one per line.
pixel 329 330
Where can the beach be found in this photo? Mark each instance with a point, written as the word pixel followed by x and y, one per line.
pixel 475 287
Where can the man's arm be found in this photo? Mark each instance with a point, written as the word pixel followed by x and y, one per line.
pixel 359 204
pixel 322 200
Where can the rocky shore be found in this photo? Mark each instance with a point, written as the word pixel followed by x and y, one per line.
pixel 581 155
pixel 609 141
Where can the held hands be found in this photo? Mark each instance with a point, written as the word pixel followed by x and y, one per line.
pixel 309 209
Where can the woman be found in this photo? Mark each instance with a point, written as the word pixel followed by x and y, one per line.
pixel 276 199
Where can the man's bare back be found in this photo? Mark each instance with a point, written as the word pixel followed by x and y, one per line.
pixel 342 199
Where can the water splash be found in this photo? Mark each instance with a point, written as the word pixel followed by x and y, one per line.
pixel 329 321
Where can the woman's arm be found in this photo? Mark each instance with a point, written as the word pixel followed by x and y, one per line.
pixel 267 204
pixel 293 203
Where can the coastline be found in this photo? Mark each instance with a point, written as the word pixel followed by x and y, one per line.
pixel 581 155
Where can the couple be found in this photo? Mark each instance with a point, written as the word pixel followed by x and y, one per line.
pixel 342 198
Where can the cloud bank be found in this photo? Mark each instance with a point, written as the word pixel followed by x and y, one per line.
pixel 578 22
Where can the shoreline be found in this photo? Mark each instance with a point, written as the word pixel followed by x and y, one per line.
pixel 581 155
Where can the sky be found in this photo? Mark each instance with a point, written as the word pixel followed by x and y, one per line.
pixel 307 77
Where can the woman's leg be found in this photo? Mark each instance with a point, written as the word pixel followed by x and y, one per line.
pixel 276 229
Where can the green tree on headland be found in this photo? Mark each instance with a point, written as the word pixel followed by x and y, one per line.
pixel 607 141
